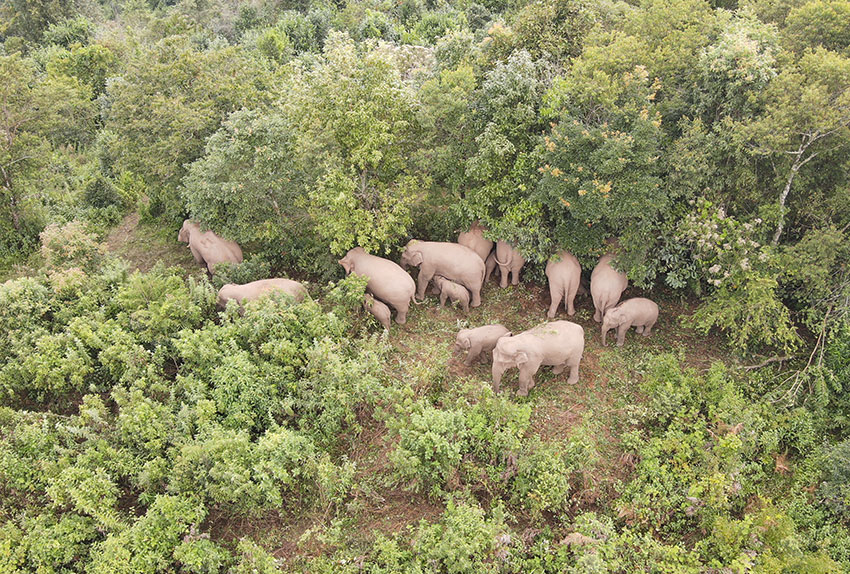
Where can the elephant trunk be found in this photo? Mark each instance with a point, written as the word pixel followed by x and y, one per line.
pixel 605 327
pixel 498 370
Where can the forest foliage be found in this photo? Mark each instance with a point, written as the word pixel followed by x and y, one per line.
pixel 712 139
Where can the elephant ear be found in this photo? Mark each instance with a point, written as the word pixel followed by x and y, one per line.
pixel 346 264
pixel 521 358
pixel 465 343
pixel 416 258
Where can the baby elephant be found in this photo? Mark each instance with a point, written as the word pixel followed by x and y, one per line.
pixel 559 343
pixel 256 289
pixel 638 312
pixel 451 290
pixel 479 341
pixel 378 309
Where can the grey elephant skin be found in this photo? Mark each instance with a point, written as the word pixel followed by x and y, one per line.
pixel 379 310
pixel 606 286
pixel 559 344
pixel 480 341
pixel 450 260
pixel 208 248
pixel 453 291
pixel 564 274
pixel 639 312
pixel 475 240
pixel 510 261
pixel 256 289
pixel 387 281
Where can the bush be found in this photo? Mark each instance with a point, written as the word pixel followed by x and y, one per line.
pixel 71 245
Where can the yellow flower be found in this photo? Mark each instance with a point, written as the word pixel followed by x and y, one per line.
pixel 582 192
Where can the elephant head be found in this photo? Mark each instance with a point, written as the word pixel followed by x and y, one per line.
pixel 183 234
pixel 612 319
pixel 347 262
pixel 412 256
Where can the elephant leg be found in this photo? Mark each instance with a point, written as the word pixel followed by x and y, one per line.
pixel 515 277
pixel 621 333
pixel 472 355
pixel 425 276
pixel 559 368
pixel 503 277
pixel 555 295
pixel 573 378
pixel 476 295
pixel 401 313
pixel 639 329
pixel 464 303
pixel 196 255
pixel 526 377
pixel 648 329
pixel 443 298
pixel 597 305
pixel 570 297
pixel 490 265
pixel 498 370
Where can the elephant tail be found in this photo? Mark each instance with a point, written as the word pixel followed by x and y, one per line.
pixel 507 263
pixel 415 302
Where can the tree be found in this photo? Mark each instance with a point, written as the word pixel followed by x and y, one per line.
pixel 247 185
pixel 173 96
pixel 357 131
pixel 35 111
pixel 807 117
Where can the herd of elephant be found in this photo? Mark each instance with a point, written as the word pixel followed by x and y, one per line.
pixel 458 271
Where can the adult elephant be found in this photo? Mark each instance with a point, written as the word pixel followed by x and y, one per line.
pixel 509 260
pixel 387 281
pixel 606 286
pixel 208 248
pixel 564 274
pixel 451 260
pixel 475 240
pixel 559 344
pixel 256 289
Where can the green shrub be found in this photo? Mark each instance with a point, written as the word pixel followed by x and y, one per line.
pixel 542 481
pixel 71 245
pixel 430 447
pixel 148 546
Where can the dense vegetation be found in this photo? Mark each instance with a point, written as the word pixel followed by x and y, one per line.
pixel 143 430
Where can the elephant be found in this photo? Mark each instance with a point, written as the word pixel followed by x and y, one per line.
pixel 559 343
pixel 638 312
pixel 475 240
pixel 451 260
pixel 606 286
pixel 387 281
pixel 510 261
pixel 479 341
pixel 564 274
pixel 208 248
pixel 378 309
pixel 453 291
pixel 256 289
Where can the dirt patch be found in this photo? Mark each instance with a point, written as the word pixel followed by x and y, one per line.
pixel 144 246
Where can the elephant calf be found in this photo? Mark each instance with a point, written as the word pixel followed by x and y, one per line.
pixel 256 289
pixel 451 290
pixel 638 312
pixel 559 344
pixel 479 341
pixel 378 309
